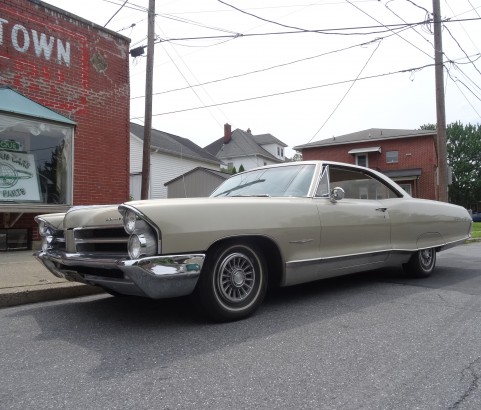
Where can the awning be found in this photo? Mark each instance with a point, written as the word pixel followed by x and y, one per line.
pixel 364 150
pixel 16 103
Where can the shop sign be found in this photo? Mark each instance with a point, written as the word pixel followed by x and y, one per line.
pixel 25 40
pixel 18 177
pixel 10 145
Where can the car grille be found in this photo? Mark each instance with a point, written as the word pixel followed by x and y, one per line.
pixel 99 241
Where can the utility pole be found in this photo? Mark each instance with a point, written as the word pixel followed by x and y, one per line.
pixel 149 78
pixel 440 105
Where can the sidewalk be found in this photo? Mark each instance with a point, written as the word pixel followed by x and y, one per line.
pixel 24 280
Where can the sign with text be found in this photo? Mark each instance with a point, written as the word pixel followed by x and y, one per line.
pixel 18 177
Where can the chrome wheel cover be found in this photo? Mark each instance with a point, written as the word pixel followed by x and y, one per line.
pixel 426 259
pixel 236 278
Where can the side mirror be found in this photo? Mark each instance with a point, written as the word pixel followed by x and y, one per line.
pixel 337 194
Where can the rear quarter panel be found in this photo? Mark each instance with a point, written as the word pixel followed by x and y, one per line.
pixel 417 223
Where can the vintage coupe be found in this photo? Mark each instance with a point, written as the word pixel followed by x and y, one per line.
pixel 276 225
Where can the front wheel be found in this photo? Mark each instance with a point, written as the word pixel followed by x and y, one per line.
pixel 421 264
pixel 233 282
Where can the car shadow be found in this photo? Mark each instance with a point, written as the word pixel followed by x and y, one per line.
pixel 128 334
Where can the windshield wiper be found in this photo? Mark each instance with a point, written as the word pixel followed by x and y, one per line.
pixel 241 186
pixel 253 195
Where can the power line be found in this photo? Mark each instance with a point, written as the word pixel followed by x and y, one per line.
pixel 296 91
pixel 461 48
pixel 121 7
pixel 190 86
pixel 373 18
pixel 272 67
pixel 346 93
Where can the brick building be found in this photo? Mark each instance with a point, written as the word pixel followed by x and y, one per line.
pixel 64 116
pixel 407 156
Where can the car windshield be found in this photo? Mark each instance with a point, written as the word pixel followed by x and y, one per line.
pixel 292 180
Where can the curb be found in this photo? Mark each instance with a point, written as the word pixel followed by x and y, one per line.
pixel 43 293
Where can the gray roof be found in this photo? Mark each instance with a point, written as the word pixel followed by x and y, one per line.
pixel 174 145
pixel 265 139
pixel 242 144
pixel 219 174
pixel 371 134
pixel 13 102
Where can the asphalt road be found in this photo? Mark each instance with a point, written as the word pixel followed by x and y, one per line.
pixel 370 341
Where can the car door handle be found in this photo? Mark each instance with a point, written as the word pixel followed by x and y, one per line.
pixel 381 209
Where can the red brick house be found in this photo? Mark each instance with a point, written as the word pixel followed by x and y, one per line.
pixel 406 156
pixel 64 116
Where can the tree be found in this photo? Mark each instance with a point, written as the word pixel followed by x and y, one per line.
pixel 464 159
pixel 241 168
pixel 464 156
pixel 297 157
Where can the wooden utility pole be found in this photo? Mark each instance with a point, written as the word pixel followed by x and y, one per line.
pixel 440 105
pixel 149 79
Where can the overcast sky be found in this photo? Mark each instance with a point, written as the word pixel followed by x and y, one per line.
pixel 251 63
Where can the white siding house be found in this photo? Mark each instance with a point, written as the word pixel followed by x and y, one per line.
pixel 240 147
pixel 170 157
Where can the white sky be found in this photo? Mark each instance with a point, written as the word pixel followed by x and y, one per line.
pixel 403 100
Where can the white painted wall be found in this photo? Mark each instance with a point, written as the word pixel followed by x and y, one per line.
pixel 249 162
pixel 163 168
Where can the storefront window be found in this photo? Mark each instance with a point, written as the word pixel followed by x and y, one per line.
pixel 35 161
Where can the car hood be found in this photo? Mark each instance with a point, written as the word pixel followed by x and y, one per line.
pixel 92 216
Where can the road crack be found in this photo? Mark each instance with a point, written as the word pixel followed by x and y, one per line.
pixel 472 373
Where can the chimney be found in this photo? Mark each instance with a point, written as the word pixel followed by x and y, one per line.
pixel 249 131
pixel 227 133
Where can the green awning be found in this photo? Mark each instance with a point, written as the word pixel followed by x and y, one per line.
pixel 13 102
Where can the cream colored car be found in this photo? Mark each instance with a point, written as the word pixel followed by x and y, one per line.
pixel 278 225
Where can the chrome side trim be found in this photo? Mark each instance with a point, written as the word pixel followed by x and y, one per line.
pixel 314 269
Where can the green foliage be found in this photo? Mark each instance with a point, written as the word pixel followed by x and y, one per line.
pixel 297 157
pixel 476 230
pixel 241 168
pixel 233 171
pixel 464 157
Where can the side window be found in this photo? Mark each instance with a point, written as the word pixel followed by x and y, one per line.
pixel 392 157
pixel 359 185
pixel 361 160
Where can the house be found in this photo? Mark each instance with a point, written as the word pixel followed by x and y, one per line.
pixel 406 156
pixel 170 156
pixel 198 182
pixel 240 147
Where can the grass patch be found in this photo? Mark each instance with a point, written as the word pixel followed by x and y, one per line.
pixel 476 230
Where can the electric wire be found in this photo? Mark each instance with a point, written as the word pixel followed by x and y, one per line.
pixel 190 86
pixel 121 7
pixel 275 66
pixel 298 90
pixel 373 18
pixel 346 93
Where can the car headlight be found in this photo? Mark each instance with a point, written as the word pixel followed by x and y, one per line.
pixel 44 228
pixel 130 219
pixel 144 237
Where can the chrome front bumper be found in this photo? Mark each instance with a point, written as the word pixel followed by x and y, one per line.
pixel 155 277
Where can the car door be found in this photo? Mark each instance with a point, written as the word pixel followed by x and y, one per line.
pixel 356 230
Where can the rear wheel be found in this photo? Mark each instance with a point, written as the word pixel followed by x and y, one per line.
pixel 233 282
pixel 421 264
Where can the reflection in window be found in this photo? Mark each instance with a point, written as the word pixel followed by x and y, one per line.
pixel 359 185
pixel 285 181
pixel 361 160
pixel 392 157
pixel 35 161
